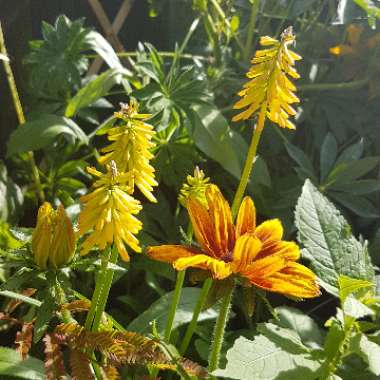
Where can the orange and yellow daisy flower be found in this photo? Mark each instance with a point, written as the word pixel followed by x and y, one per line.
pixel 256 253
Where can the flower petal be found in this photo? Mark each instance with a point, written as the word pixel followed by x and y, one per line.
pixel 212 224
pixel 221 218
pixel 265 267
pixel 246 249
pixel 286 249
pixel 170 253
pixel 269 232
pixel 294 280
pixel 218 268
pixel 246 219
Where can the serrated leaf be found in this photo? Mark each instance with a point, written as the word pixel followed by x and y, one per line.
pixel 159 309
pixel 356 309
pixel 11 364
pixel 328 240
pixel 349 286
pixel 262 359
pixel 38 134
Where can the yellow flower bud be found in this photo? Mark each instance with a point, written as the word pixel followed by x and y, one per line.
pixel 53 239
pixel 195 187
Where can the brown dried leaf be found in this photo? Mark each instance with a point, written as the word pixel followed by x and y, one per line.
pixel 54 365
pixel 24 339
pixel 80 366
pixel 77 306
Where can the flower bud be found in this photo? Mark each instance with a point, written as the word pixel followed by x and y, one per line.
pixel 53 239
pixel 195 187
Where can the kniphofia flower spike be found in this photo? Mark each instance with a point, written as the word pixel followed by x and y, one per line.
pixel 269 90
pixel 256 253
pixel 130 149
pixel 109 213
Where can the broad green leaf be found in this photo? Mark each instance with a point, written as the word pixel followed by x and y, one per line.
pixel 369 352
pixel 262 359
pixel 94 90
pixel 11 364
pixel 351 153
pixel 212 136
pixel 349 286
pixel 356 309
pixel 307 329
pixel 158 311
pixel 285 338
pixel 328 155
pixel 38 134
pixel 328 240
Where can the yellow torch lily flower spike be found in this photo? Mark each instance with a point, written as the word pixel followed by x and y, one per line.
pixel 269 90
pixel 130 149
pixel 109 213
pixel 53 239
pixel 256 253
pixel 195 187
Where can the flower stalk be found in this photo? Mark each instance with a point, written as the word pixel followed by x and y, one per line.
pixel 20 114
pixel 219 330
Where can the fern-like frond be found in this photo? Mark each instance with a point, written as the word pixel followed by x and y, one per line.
pixel 76 306
pixel 80 366
pixel 54 365
pixel 110 372
pixel 269 90
pixel 23 339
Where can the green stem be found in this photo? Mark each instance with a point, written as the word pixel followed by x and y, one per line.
pixel 219 330
pixel 173 308
pixel 104 293
pixel 98 289
pixel 20 113
pixel 333 86
pixel 251 29
pixel 249 161
pixel 197 310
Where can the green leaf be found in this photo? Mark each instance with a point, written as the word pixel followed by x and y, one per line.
pixel 98 43
pixel 21 277
pixel 159 309
pixel 212 136
pixel 38 134
pixel 11 197
pixel 328 155
pixel 262 359
pixel 359 187
pixel 328 240
pixel 44 314
pixel 20 297
pixel 356 309
pixel 94 90
pixel 348 286
pixel 347 172
pixel 369 352
pixel 307 329
pixel 11 364
pixel 303 161
pixel 359 205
